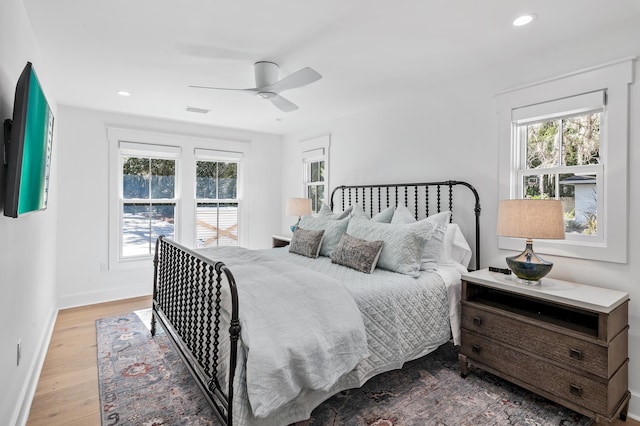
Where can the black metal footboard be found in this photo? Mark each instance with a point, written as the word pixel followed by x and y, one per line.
pixel 188 301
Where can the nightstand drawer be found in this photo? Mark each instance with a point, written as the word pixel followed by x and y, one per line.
pixel 601 396
pixel 584 355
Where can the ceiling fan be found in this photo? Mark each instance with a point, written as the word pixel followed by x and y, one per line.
pixel 269 87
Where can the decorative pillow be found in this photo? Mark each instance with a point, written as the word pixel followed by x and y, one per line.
pixel 403 243
pixel 383 217
pixel 306 243
pixel 358 254
pixel 333 230
pixel 325 212
pixel 433 246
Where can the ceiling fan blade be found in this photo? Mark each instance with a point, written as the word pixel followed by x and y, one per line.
pixel 282 103
pixel 297 79
pixel 224 88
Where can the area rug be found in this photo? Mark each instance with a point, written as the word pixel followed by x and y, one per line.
pixel 144 382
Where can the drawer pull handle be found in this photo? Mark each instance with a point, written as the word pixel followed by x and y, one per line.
pixel 575 353
pixel 575 390
pixel 477 321
pixel 475 348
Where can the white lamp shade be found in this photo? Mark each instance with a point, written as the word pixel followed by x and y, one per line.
pixel 298 206
pixel 531 219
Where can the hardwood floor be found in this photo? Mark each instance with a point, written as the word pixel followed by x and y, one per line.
pixel 67 393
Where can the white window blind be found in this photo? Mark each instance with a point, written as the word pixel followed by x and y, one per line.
pixel 148 150
pixel 586 102
pixel 211 154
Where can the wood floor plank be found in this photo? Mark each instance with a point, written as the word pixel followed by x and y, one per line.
pixel 67 392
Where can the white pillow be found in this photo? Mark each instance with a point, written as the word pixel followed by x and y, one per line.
pixel 402 243
pixel 455 247
pixel 384 216
pixel 433 246
pixel 402 215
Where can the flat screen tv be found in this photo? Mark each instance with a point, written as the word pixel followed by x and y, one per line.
pixel 28 139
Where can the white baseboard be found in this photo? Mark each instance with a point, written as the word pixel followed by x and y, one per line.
pixel 21 413
pixel 83 299
pixel 634 407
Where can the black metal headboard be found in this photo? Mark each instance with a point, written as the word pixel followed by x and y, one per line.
pixel 423 199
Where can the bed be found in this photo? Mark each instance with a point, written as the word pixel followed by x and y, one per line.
pixel 283 332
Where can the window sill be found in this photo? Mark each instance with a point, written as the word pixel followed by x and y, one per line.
pixel 567 248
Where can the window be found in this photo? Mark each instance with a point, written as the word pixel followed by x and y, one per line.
pixel 148 204
pixel 216 199
pixel 315 184
pixel 165 184
pixel 566 138
pixel 147 197
pixel 315 171
pixel 559 158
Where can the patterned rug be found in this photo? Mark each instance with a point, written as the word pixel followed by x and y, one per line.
pixel 144 382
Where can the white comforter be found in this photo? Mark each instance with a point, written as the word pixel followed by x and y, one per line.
pixel 304 341
pixel 404 318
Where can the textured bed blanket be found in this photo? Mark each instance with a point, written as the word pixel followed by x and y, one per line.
pixel 301 329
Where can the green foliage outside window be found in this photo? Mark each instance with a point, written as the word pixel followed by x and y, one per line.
pixel 552 146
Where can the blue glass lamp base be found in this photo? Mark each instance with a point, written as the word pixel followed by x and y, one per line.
pixel 528 266
pixel 293 227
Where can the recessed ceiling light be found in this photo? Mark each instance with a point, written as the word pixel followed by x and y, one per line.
pixel 123 93
pixel 523 20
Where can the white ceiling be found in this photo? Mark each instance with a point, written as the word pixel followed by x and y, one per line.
pixel 368 51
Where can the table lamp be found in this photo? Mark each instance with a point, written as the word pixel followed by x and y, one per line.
pixel 539 219
pixel 297 207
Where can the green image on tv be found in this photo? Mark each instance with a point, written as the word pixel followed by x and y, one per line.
pixel 36 160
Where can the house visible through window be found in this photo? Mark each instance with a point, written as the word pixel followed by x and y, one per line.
pixel 216 203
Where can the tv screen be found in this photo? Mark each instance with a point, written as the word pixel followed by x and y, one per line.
pixel 28 139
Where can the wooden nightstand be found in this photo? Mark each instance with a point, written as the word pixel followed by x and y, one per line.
pixel 280 241
pixel 565 341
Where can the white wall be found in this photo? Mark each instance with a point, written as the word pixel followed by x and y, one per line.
pixel 451 132
pixel 83 210
pixel 27 244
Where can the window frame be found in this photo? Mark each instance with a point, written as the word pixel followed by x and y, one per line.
pixel 614 78
pixel 147 152
pixel 314 151
pixel 520 170
pixel 218 156
pixel 158 142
